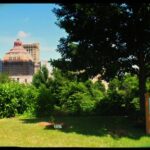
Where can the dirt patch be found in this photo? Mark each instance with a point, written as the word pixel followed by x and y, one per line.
pixel 45 124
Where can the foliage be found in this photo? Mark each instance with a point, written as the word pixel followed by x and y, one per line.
pixel 11 99
pixel 110 24
pixel 31 95
pixel 4 78
pixel 74 97
pixel 107 39
pixel 148 85
pixel 65 95
pixel 45 102
pixel 122 97
pixel 41 77
pixel 16 99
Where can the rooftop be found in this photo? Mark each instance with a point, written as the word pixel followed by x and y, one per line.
pixel 17 53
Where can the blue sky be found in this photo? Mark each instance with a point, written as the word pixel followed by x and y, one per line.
pixel 30 23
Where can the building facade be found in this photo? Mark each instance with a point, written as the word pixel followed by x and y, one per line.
pixel 0 65
pixel 34 50
pixel 18 63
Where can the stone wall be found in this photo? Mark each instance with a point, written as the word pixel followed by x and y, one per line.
pixel 22 78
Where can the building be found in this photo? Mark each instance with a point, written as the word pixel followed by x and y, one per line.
pixel 34 50
pixel 0 65
pixel 18 63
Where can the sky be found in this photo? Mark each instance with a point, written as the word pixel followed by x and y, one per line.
pixel 31 23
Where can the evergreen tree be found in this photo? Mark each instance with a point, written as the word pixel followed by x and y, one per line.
pixel 107 39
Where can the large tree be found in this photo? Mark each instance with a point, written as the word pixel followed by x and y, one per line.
pixel 107 39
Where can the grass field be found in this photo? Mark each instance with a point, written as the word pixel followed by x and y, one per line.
pixel 79 132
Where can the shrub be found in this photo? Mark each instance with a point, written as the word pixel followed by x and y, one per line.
pixel 11 99
pixel 31 96
pixel 4 78
pixel 79 98
pixel 71 94
pixel 45 102
pixel 122 97
pixel 16 99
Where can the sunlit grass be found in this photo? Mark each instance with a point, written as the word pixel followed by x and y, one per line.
pixel 80 132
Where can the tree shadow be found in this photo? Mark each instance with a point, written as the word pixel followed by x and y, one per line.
pixel 116 127
pixel 34 120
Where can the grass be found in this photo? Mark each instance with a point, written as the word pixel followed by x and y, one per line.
pixel 80 132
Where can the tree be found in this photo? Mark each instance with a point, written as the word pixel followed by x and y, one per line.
pixel 109 39
pixel 124 93
pixel 41 77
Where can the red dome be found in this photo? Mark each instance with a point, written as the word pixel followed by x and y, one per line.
pixel 17 43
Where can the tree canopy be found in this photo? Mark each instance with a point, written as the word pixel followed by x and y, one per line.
pixel 108 39
pixel 103 35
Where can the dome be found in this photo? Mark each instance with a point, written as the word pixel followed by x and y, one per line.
pixel 17 53
pixel 17 43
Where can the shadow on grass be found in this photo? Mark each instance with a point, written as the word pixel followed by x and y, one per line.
pixel 34 120
pixel 116 127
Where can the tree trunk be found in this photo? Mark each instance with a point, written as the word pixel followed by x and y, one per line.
pixel 142 88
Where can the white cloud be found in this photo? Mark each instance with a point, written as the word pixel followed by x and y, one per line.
pixel 22 34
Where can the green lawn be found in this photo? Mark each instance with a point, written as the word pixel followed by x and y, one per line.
pixel 80 132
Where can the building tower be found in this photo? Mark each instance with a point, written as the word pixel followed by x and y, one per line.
pixel 34 50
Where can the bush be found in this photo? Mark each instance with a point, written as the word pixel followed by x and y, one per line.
pixel 64 95
pixel 31 95
pixel 45 102
pixel 4 78
pixel 122 97
pixel 79 98
pixel 16 99
pixel 71 96
pixel 11 99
